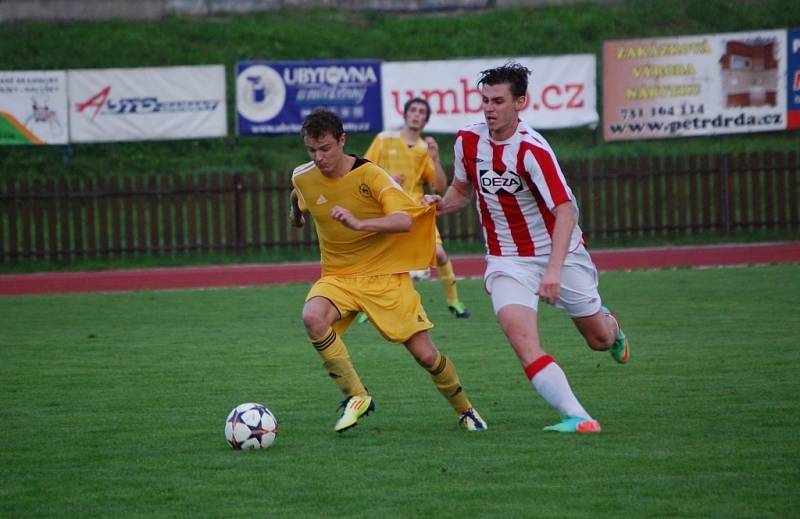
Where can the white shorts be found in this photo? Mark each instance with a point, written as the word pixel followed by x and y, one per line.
pixel 515 280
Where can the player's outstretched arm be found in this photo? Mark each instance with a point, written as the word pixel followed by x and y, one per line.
pixel 457 196
pixel 395 222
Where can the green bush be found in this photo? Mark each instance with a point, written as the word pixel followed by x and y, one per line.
pixel 295 35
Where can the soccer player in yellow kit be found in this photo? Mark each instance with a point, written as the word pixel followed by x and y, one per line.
pixel 413 163
pixel 371 234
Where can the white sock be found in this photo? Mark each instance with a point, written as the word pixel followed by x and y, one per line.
pixel 551 383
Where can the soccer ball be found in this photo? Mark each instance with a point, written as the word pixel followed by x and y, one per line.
pixel 251 426
pixel 420 275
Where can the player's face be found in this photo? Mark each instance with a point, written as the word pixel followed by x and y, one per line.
pixel 501 110
pixel 326 151
pixel 416 116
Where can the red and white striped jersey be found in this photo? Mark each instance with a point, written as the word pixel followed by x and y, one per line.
pixel 517 184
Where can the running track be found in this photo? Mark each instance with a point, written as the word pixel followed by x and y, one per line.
pixel 465 266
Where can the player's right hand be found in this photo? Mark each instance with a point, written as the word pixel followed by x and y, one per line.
pixel 431 200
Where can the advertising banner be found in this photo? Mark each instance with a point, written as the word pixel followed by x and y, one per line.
pixel 33 107
pixel 273 97
pixel 134 104
pixel 694 85
pixel 561 91
pixel 793 79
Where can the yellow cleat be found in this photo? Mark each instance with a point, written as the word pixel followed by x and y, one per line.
pixel 354 407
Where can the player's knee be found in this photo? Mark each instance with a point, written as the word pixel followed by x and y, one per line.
pixel 441 256
pixel 423 351
pixel 426 359
pixel 315 324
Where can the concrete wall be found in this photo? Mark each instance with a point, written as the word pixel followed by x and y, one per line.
pixel 16 10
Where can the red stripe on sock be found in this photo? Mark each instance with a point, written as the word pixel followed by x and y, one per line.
pixel 538 365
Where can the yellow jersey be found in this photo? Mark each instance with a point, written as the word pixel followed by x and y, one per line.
pixel 390 151
pixel 366 191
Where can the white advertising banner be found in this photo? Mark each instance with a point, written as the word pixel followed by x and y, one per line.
pixel 561 91
pixel 137 104
pixel 33 107
pixel 694 85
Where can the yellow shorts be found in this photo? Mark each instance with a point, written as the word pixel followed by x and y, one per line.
pixel 438 237
pixel 390 301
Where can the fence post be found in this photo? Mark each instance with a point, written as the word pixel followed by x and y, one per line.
pixel 63 192
pixel 25 209
pixel 791 173
pixel 166 215
pixel 52 220
pixel 727 188
pixel 646 197
pixel 3 202
pixel 38 218
pixel 239 211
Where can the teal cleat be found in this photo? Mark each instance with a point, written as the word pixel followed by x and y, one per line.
pixel 575 424
pixel 621 349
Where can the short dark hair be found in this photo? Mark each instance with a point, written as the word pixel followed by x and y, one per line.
pixel 320 122
pixel 420 101
pixel 512 73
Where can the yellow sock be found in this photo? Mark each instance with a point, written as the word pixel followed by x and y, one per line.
pixel 336 361
pixel 445 377
pixel 448 280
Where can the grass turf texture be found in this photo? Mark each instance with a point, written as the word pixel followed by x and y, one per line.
pixel 115 404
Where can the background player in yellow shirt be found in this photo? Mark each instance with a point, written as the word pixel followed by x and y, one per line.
pixel 371 234
pixel 413 163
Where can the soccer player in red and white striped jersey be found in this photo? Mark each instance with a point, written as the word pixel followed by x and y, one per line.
pixel 534 246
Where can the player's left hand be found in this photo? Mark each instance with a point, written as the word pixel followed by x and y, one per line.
pixel 345 217
pixel 296 217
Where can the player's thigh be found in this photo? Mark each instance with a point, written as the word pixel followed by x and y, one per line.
pixel 515 305
pixel 438 236
pixel 394 307
pixel 341 294
pixel 441 254
pixel 579 294
pixel 513 281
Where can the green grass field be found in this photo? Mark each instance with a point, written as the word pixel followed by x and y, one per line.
pixel 114 404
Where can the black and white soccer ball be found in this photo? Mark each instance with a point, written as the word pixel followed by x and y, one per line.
pixel 420 275
pixel 251 426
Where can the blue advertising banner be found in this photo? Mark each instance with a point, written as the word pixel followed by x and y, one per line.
pixel 793 79
pixel 273 97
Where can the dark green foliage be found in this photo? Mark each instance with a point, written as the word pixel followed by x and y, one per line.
pixel 291 35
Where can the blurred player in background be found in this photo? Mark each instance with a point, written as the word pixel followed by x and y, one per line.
pixel 414 163
pixel 535 249
pixel 371 234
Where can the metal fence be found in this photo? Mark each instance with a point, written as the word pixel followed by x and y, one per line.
pixel 69 219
